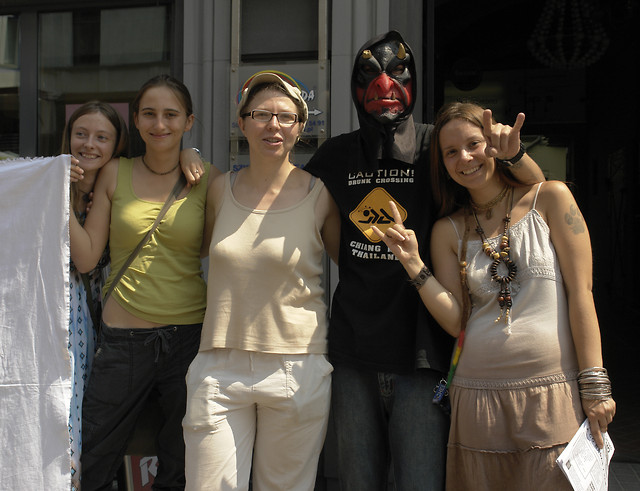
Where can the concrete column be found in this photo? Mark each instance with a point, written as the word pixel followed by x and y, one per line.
pixel 206 74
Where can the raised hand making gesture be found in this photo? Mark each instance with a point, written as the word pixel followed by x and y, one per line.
pixel 503 141
pixel 503 144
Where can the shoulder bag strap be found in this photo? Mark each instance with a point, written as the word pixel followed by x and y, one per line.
pixel 95 316
pixel 177 189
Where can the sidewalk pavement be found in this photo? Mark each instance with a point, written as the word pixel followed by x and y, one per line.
pixel 624 476
pixel 624 473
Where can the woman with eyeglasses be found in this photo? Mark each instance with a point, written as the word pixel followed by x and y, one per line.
pixel 258 390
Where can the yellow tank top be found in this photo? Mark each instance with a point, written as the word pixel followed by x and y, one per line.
pixel 164 284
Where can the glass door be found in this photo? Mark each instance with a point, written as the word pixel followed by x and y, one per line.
pixel 290 37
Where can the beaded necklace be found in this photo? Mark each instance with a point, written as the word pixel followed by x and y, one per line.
pixel 441 390
pixel 504 295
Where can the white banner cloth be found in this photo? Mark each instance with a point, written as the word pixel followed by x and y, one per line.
pixel 35 370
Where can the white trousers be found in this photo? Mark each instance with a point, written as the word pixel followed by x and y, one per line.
pixel 258 413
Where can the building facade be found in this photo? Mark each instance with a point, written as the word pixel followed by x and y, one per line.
pixel 567 65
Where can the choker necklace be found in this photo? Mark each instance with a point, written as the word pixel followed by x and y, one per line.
pixel 160 173
pixel 488 207
pixel 504 296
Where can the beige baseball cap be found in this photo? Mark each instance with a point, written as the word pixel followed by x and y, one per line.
pixel 280 78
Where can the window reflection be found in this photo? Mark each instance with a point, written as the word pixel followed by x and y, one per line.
pixel 279 29
pixel 92 53
pixel 9 85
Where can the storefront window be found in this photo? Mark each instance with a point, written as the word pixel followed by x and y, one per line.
pixel 279 29
pixel 9 86
pixel 94 53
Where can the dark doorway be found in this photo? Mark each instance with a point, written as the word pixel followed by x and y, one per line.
pixel 570 67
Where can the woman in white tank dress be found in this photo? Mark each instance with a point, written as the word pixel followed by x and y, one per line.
pixel 513 269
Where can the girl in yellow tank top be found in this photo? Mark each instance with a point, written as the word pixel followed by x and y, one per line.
pixel 151 322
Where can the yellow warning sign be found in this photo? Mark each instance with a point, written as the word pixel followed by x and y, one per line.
pixel 374 209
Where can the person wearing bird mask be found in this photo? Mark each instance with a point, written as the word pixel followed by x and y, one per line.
pixel 388 353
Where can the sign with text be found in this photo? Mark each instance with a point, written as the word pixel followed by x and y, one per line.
pixel 140 472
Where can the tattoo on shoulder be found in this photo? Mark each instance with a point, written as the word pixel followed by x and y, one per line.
pixel 574 220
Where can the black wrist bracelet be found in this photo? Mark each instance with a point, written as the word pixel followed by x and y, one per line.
pixel 421 278
pixel 513 160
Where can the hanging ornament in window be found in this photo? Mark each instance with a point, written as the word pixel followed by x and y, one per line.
pixel 568 34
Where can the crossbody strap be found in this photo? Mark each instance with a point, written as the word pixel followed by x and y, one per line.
pixel 93 312
pixel 177 189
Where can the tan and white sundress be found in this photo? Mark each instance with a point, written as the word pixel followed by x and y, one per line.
pixel 514 397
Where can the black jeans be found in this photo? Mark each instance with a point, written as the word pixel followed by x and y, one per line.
pixel 129 365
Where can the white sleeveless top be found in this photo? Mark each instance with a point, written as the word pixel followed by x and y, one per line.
pixel 264 291
pixel 538 343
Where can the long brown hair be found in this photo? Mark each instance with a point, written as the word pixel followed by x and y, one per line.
pixel 446 192
pixel 120 148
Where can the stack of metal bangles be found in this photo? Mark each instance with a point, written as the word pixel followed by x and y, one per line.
pixel 594 383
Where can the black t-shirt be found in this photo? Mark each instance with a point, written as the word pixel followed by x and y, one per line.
pixel 378 320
